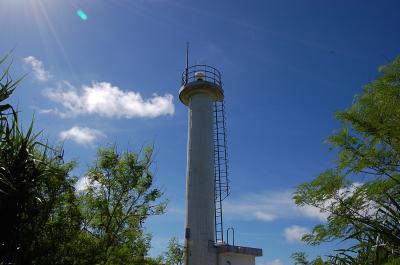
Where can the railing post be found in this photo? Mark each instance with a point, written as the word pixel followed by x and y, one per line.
pixel 233 236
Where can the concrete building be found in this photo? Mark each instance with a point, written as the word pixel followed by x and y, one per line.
pixel 201 88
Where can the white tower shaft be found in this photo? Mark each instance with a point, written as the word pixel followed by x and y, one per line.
pixel 200 205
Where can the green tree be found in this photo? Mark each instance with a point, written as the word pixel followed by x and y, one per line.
pixel 44 220
pixel 119 198
pixel 300 258
pixel 361 194
pixel 174 254
pixel 39 213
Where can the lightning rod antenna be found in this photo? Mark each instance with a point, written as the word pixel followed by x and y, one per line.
pixel 187 61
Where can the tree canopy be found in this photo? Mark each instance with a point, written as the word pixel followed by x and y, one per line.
pixel 45 220
pixel 361 195
pixel 118 199
pixel 175 253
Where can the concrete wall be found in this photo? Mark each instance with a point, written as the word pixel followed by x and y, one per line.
pixel 235 259
pixel 200 181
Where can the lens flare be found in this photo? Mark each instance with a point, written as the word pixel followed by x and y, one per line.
pixel 82 15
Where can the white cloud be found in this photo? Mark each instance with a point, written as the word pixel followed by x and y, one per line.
pixel 38 69
pixel 109 101
pixel 177 210
pixel 294 233
pixel 368 209
pixel 313 212
pixel 269 206
pixel 45 111
pixel 80 135
pixel 273 262
pixel 83 183
pixel 264 216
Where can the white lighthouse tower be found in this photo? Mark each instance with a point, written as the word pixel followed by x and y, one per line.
pixel 201 90
pixel 198 92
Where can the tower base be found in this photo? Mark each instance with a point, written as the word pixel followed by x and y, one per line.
pixel 237 255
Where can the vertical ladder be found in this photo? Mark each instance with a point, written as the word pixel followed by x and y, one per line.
pixel 221 182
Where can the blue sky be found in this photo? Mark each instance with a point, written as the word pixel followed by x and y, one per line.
pixel 287 66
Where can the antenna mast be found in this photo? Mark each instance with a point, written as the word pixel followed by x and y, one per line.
pixel 187 61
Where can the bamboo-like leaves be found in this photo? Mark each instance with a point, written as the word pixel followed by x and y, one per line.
pixel 37 200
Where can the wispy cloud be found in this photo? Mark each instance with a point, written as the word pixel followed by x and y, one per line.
pixel 109 101
pixel 269 206
pixel 37 68
pixel 264 216
pixel 272 262
pixel 80 135
pixel 177 210
pixel 294 233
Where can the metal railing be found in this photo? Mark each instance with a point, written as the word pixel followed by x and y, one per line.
pixel 202 72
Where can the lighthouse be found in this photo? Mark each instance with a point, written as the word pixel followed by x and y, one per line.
pixel 206 176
